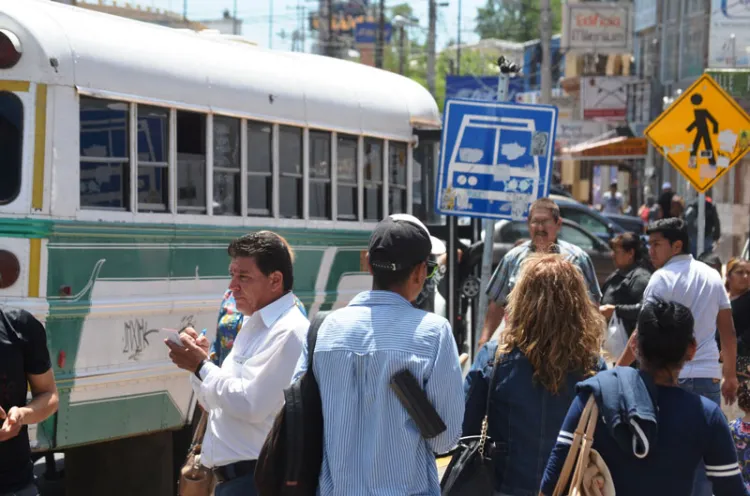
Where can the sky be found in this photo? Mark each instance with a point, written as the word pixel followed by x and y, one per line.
pixel 255 15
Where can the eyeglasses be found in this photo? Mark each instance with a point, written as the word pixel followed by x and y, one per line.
pixel 541 222
pixel 432 269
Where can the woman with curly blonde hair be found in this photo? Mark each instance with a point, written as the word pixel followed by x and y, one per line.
pixel 551 341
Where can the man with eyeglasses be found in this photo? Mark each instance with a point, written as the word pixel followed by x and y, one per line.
pixel 371 444
pixel 544 225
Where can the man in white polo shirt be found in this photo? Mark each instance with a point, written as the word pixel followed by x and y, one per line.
pixel 683 279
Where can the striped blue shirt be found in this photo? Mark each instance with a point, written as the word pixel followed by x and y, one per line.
pixel 372 446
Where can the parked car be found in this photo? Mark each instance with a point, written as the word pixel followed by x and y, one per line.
pixel 588 218
pixel 507 233
pixel 558 190
pixel 630 223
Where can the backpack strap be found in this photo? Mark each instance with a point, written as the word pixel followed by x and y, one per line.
pixel 312 337
pixel 295 441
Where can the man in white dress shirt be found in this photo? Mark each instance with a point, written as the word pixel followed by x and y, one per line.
pixel 245 393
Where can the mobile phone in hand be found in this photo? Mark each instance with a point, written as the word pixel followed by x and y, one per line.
pixel 173 335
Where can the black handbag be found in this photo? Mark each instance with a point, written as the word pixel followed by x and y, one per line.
pixel 471 470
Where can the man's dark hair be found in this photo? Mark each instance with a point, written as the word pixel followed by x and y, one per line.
pixel 673 229
pixel 546 204
pixel 269 252
pixel 665 331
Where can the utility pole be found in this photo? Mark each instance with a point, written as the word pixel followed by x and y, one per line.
pixel 402 50
pixel 184 10
pixel 458 41
pixel 324 25
pixel 234 18
pixel 432 15
pixel 380 44
pixel 545 39
pixel 329 23
pixel 270 23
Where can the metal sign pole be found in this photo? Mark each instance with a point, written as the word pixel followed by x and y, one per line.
pixel 452 268
pixel 701 224
pixel 503 83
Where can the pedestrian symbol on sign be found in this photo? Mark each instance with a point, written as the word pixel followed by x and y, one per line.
pixel 700 124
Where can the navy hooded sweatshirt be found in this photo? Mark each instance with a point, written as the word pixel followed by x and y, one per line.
pixel 651 437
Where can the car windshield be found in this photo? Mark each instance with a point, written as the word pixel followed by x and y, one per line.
pixel 585 220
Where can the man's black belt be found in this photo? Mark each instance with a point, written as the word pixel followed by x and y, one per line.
pixel 234 470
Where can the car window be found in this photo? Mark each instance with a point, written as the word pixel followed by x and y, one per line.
pixel 512 232
pixel 585 220
pixel 576 237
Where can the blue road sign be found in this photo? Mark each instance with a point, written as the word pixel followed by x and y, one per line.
pixel 367 32
pixel 480 87
pixel 495 158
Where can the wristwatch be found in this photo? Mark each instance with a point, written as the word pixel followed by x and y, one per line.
pixel 198 369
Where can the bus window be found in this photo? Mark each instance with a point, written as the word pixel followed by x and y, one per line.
pixel 290 169
pixel 259 169
pixel 320 175
pixel 346 175
pixel 424 180
pixel 373 176
pixel 191 162
pixel 227 193
pixel 105 162
pixel 397 175
pixel 11 129
pixel 153 159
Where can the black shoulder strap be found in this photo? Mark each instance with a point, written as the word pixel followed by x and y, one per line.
pixel 312 336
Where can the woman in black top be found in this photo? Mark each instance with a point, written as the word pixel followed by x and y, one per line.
pixel 622 292
pixel 738 287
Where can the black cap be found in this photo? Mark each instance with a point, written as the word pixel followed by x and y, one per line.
pixel 399 242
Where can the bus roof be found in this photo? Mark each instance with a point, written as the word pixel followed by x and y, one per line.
pixel 118 57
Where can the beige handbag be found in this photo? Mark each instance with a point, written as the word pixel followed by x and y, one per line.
pixel 591 476
pixel 195 479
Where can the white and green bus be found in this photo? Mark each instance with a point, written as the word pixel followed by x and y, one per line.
pixel 131 154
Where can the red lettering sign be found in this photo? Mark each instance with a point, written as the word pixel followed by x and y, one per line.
pixel 597 21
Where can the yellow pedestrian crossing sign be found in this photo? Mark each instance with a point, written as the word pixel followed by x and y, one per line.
pixel 703 134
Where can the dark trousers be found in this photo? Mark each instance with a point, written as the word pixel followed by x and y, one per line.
pixel 241 486
pixel 237 479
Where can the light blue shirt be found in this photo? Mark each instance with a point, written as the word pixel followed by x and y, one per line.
pixel 506 275
pixel 372 446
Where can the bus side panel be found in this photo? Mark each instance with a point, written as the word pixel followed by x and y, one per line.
pixel 122 284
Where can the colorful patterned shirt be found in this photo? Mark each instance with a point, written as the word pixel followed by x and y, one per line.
pixel 741 435
pixel 507 272
pixel 229 323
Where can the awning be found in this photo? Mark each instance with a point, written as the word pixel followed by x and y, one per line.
pixel 609 148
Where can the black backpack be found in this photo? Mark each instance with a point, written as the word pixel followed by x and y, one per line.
pixel 292 454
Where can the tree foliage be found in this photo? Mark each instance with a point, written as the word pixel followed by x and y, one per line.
pixel 415 58
pixel 472 63
pixel 514 20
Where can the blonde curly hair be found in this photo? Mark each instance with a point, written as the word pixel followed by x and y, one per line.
pixel 551 319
